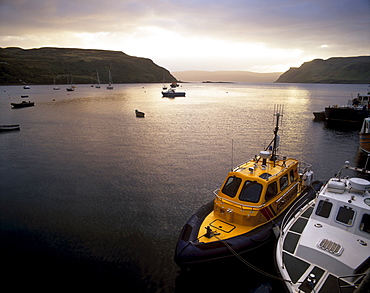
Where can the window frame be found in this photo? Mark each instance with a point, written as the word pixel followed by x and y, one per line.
pixel 320 207
pixel 270 196
pixel 259 185
pixel 234 191
pixel 352 220
pixel 285 184
pixel 362 221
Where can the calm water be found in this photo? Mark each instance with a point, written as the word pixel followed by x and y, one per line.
pixel 90 194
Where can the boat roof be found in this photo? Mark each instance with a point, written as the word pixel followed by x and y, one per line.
pixel 257 168
pixel 336 236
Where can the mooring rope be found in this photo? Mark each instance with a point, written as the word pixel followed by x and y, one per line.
pixel 249 264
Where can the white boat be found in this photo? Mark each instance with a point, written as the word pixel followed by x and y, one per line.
pixel 70 87
pixel 110 86
pixel 97 75
pixel 56 88
pixel 324 246
pixel 26 87
pixel 171 93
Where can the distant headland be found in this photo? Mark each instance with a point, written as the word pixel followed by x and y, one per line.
pixel 332 70
pixel 63 65
pixel 60 65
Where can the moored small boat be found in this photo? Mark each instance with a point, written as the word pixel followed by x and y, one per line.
pixel 9 127
pixel 319 116
pixel 253 199
pixel 352 114
pixel 171 93
pixel 325 245
pixel 139 114
pixel 110 85
pixel 23 104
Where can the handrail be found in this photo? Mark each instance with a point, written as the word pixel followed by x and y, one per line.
pixel 352 284
pixel 234 202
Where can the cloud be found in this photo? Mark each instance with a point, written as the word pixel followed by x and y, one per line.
pixel 207 32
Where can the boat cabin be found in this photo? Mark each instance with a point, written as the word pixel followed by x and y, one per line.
pixel 338 232
pixel 349 211
pixel 256 191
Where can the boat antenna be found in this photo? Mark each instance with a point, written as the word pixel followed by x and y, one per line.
pixel 278 112
pixel 232 154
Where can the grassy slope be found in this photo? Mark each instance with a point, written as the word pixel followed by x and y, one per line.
pixel 333 70
pixel 42 66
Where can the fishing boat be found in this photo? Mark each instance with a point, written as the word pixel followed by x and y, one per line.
pixel 139 114
pixel 171 93
pixel 325 245
pixel 252 200
pixel 365 136
pixel 9 127
pixel 110 85
pixel 23 104
pixel 351 114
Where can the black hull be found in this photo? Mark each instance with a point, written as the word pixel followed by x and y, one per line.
pixel 22 105
pixel 191 253
pixel 347 115
pixel 319 116
pixel 173 95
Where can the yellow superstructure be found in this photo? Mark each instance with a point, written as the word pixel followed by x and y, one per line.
pixel 252 194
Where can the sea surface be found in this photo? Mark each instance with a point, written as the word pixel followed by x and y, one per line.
pixel 91 195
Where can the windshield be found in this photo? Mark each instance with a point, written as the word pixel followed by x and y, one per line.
pixel 251 191
pixel 231 186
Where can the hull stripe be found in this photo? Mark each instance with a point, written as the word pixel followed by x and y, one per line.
pixel 267 213
pixel 272 211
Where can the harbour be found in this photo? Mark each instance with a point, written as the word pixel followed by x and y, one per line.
pixel 90 193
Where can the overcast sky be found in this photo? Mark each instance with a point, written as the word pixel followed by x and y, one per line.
pixel 252 35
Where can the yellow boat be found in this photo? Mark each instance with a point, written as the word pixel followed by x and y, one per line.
pixel 253 199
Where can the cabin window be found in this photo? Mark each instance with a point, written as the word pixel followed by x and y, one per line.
pixel 324 208
pixel 365 223
pixel 291 175
pixel 231 186
pixel 251 191
pixel 284 182
pixel 271 191
pixel 345 215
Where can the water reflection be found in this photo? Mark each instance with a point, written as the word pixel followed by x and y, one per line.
pixel 86 183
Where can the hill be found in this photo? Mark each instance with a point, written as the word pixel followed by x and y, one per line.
pixel 42 66
pixel 226 76
pixel 332 70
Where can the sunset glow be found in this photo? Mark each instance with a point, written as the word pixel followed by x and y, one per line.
pixel 261 36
